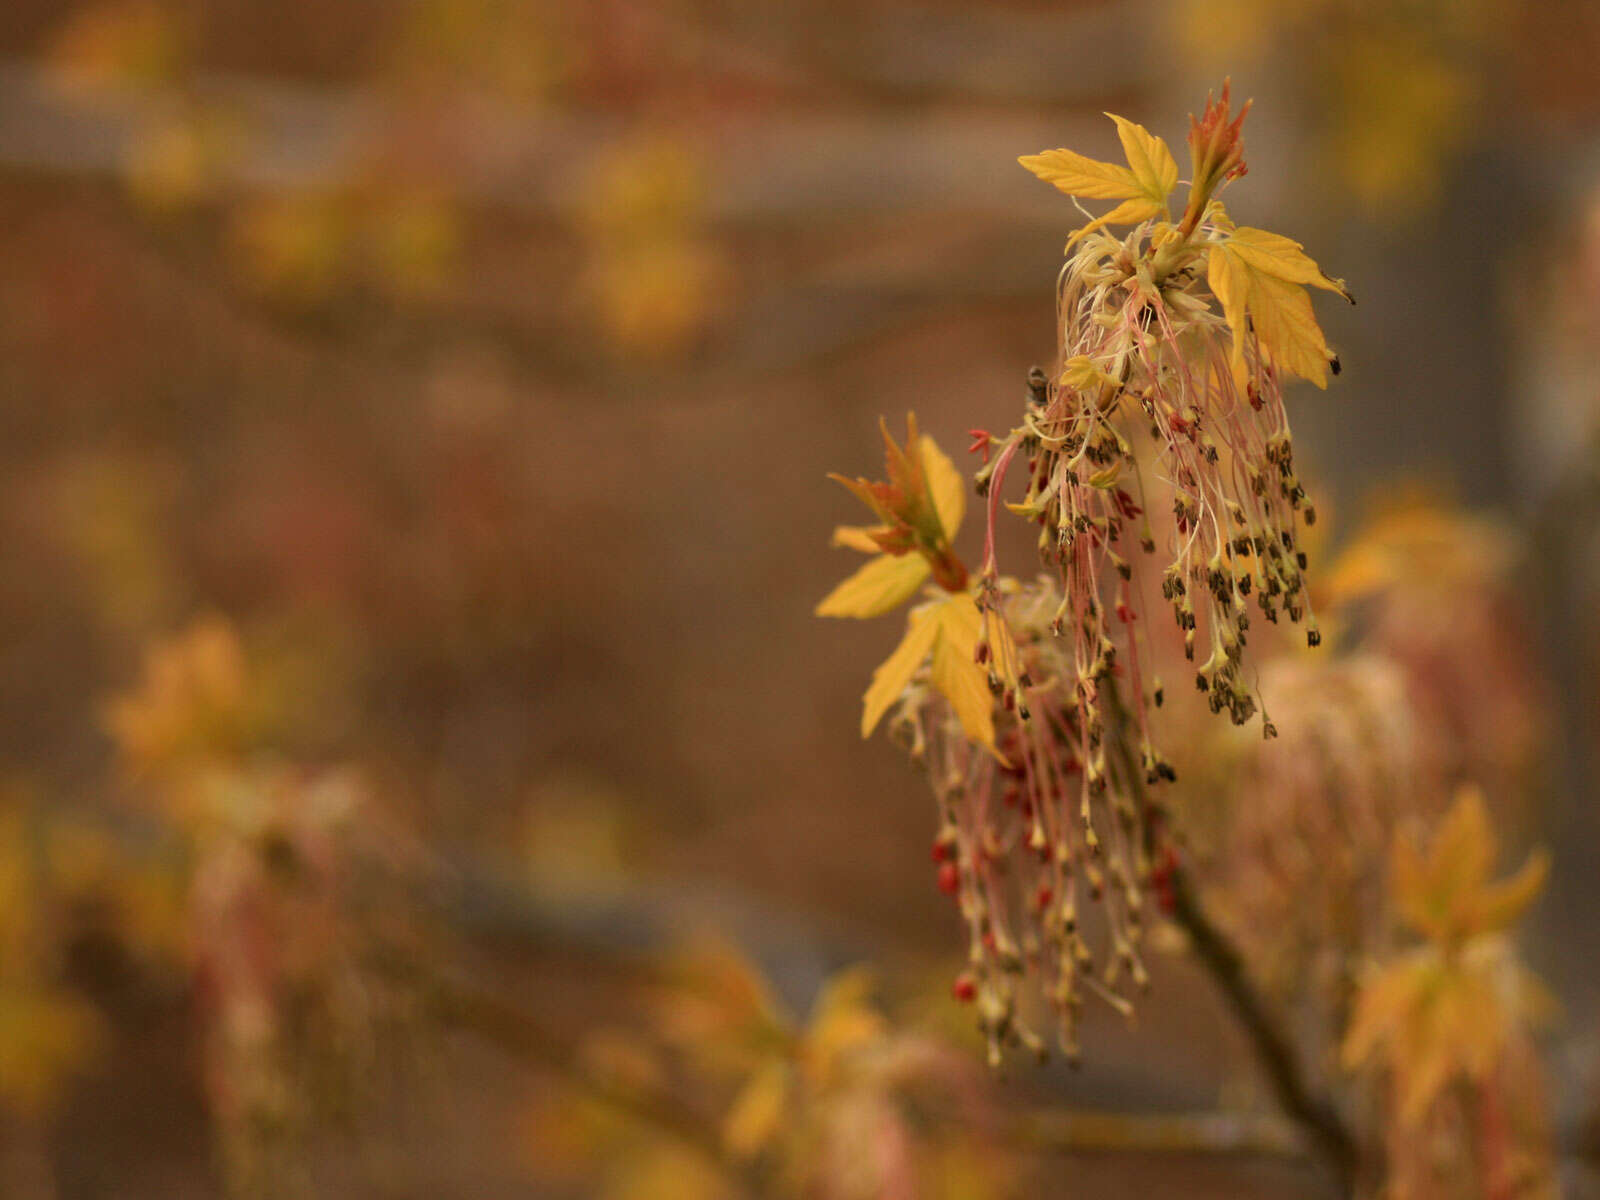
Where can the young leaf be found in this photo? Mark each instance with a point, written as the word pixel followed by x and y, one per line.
pixel 1129 212
pixel 947 486
pixel 957 675
pixel 1286 329
pixel 1076 175
pixel 892 675
pixel 757 1111
pixel 857 537
pixel 876 587
pixel 1149 159
pixel 1274 254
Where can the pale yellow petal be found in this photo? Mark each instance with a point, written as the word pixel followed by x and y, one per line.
pixel 877 586
pixel 1080 372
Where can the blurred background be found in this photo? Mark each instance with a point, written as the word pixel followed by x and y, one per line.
pixel 416 415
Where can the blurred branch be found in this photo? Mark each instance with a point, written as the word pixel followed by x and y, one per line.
pixel 1075 1131
pixel 1315 1114
pixel 462 1004
pixel 468 1006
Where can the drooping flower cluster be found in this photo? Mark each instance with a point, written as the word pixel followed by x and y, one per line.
pixel 1036 821
pixel 1188 331
pixel 289 876
pixel 1028 702
pixel 1034 834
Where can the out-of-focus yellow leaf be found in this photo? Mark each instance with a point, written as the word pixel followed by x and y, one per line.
pixel 295 247
pixel 1446 893
pixel 947 486
pixel 193 700
pixel 957 1170
pixel 1381 1004
pixel 623 1060
pixel 843 1019
pixel 719 992
pixel 416 239
pixel 169 166
pixel 757 1111
pixel 1451 1008
pixel 876 587
pixel 1499 905
pixel 1419 541
pixel 663 1169
pixel 118 44
pixel 45 1036
pixel 891 677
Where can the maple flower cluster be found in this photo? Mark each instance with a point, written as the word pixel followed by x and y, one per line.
pixel 1012 693
pixel 1036 822
pixel 1188 330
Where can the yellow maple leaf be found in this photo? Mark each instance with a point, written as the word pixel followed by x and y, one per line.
pixel 757 1111
pixel 896 671
pixel 1451 1007
pixel 882 584
pixel 843 1021
pixel 1431 1019
pixel 957 675
pixel 947 629
pixel 1149 159
pixel 1143 185
pixel 947 486
pixel 1446 894
pixel 1258 284
pixel 889 580
pixel 1079 175
pixel 1285 258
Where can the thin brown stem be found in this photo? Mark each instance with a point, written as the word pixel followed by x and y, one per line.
pixel 1270 1043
